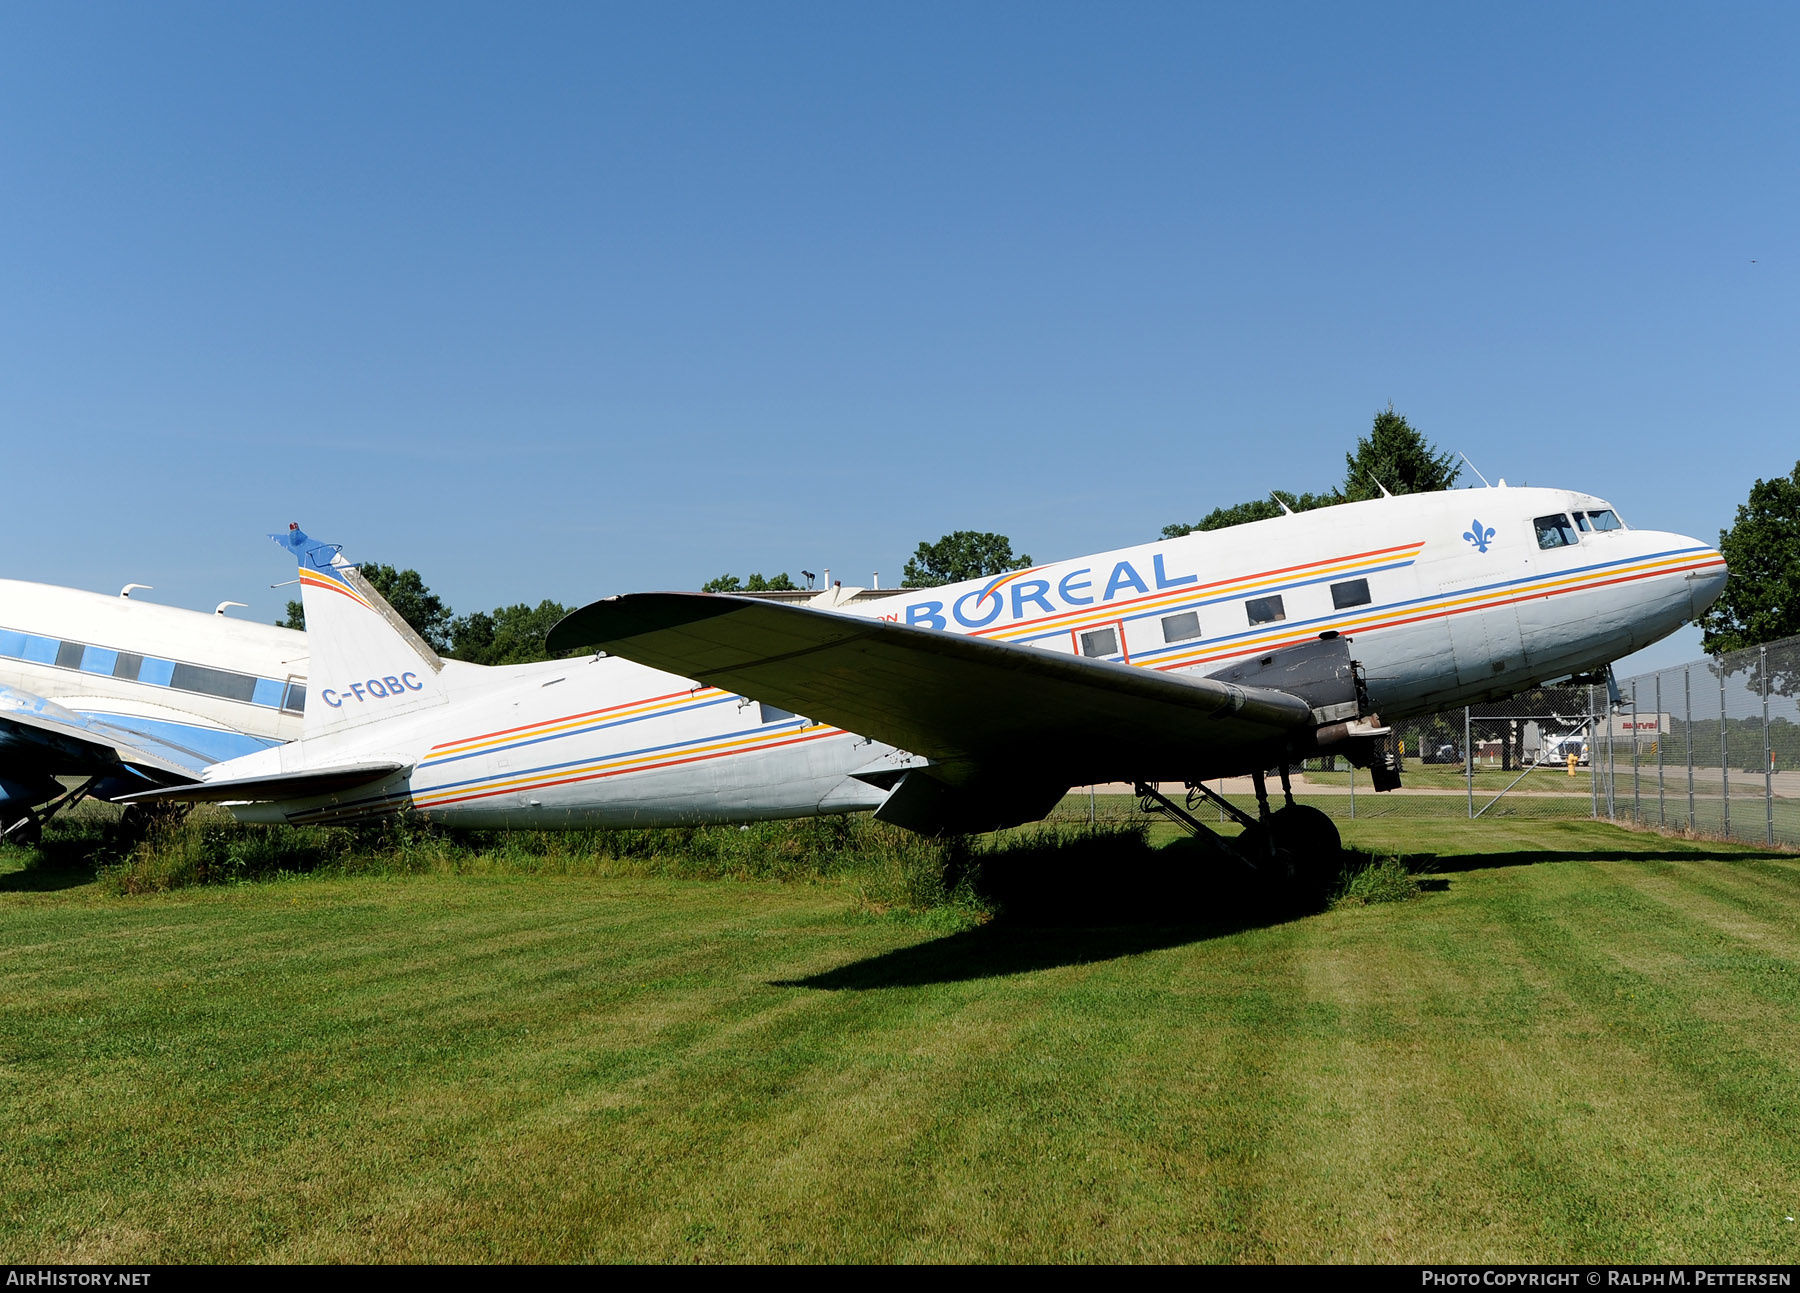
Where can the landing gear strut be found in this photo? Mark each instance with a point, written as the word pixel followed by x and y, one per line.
pixel 1295 847
pixel 29 829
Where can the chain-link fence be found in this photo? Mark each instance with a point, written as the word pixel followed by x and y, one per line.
pixel 1712 747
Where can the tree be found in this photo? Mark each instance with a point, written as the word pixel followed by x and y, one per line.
pixel 1761 601
pixel 406 592
pixel 1393 453
pixel 506 635
pixel 1397 456
pixel 756 584
pixel 1257 509
pixel 964 554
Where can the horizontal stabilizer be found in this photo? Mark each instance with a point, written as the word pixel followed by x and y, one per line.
pixel 277 786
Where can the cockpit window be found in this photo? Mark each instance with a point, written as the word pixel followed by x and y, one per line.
pixel 1554 531
pixel 1604 519
pixel 1581 522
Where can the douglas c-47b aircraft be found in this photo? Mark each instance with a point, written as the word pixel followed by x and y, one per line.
pixel 978 705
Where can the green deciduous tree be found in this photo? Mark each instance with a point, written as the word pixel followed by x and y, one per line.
pixel 755 584
pixel 1257 509
pixel 506 635
pixel 965 554
pixel 1761 601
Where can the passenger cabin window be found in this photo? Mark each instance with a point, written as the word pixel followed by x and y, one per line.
pixel 1554 531
pixel 1352 592
pixel 1100 642
pixel 1603 519
pixel 1181 628
pixel 212 682
pixel 1265 610
pixel 295 700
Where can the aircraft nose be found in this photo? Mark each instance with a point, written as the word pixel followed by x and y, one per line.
pixel 1707 580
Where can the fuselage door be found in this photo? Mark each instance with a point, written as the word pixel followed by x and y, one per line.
pixel 1477 587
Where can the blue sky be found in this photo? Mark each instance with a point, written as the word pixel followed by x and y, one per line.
pixel 561 301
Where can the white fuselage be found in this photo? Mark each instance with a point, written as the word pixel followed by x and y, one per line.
pixel 219 686
pixel 1448 598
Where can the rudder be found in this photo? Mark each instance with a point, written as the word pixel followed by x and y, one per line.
pixel 367 663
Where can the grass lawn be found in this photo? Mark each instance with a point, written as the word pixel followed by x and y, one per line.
pixel 1582 1045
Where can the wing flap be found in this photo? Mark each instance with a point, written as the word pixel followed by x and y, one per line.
pixel 276 786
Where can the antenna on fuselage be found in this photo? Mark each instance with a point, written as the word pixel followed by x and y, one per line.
pixel 126 591
pixel 1380 486
pixel 1472 467
pixel 1283 506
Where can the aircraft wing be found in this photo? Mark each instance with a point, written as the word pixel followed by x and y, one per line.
pixel 985 705
pixel 41 738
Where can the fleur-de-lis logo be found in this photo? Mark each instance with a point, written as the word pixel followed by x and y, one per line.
pixel 1479 535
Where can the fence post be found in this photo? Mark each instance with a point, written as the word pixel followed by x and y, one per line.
pixel 1687 701
pixel 1593 746
pixel 1611 760
pixel 1637 810
pixel 1762 663
pixel 1660 818
pixel 1468 763
pixel 1352 792
pixel 1724 751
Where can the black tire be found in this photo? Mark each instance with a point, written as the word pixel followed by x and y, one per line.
pixel 27 834
pixel 1310 839
pixel 1303 829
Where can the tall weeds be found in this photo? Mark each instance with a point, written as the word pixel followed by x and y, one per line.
pixel 885 867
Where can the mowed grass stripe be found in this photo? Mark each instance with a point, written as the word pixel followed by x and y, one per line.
pixel 1627 1112
pixel 1588 1060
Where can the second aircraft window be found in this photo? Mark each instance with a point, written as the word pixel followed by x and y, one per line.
pixel 1179 628
pixel 1265 610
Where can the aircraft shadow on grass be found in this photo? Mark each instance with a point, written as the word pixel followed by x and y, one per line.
pixel 48 878
pixel 1075 903
pixel 1431 863
pixel 65 861
pixel 1004 948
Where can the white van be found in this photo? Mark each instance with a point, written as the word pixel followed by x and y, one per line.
pixel 1557 749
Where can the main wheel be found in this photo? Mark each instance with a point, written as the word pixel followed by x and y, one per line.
pixel 1310 839
pixel 1304 829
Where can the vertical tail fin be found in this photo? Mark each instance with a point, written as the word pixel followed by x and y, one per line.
pixel 367 663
